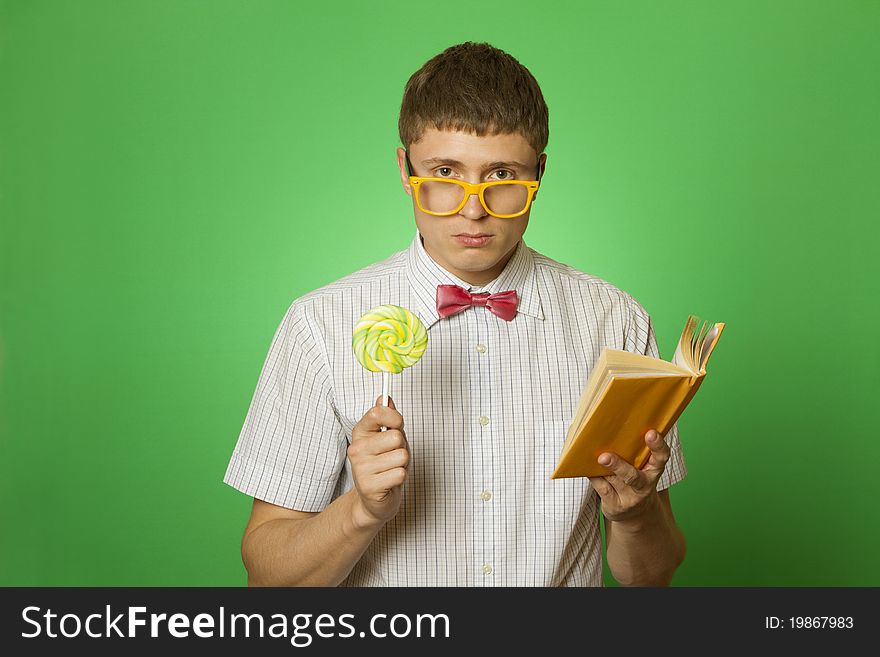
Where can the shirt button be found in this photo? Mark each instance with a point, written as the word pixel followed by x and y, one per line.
pixel 487 569
pixel 481 348
pixel 484 420
pixel 485 496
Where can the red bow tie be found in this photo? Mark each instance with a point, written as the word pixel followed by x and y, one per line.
pixel 453 299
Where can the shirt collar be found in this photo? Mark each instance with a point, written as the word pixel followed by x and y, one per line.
pixel 424 275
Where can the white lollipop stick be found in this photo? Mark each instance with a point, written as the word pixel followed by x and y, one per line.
pixel 386 379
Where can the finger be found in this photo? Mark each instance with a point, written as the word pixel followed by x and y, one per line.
pixel 603 487
pixel 660 451
pixel 393 408
pixel 378 443
pixel 398 458
pixel 389 479
pixel 380 416
pixel 390 402
pixel 624 475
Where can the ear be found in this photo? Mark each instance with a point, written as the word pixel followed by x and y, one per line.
pixel 404 177
pixel 542 163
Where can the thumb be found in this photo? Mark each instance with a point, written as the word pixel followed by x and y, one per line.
pixel 390 402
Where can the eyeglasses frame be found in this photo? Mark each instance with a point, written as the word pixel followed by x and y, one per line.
pixel 475 188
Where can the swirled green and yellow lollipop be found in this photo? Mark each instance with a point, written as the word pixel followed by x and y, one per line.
pixel 389 339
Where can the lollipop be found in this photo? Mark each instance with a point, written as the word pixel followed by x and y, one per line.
pixel 388 339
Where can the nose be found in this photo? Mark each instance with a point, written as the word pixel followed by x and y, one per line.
pixel 473 209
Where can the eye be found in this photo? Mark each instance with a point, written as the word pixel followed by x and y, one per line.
pixel 443 172
pixel 504 174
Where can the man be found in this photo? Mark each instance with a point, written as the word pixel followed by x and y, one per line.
pixel 462 495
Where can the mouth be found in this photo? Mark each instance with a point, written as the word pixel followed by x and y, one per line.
pixel 473 239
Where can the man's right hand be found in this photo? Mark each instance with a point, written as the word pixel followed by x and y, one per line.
pixel 379 462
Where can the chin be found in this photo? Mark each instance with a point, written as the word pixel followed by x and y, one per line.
pixel 477 266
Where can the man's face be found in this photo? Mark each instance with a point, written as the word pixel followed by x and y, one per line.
pixel 450 240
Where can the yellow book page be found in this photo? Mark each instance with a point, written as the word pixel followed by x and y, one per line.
pixel 709 342
pixel 617 358
pixel 696 344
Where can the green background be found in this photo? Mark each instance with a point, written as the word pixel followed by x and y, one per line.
pixel 174 174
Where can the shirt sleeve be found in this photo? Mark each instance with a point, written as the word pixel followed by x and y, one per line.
pixel 641 340
pixel 292 447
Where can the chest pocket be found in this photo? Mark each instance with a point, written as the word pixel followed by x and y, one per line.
pixel 559 499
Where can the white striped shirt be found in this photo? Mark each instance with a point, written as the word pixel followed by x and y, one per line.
pixel 485 412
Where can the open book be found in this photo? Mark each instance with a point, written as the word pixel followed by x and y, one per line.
pixel 628 394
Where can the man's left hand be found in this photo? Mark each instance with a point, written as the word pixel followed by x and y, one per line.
pixel 627 493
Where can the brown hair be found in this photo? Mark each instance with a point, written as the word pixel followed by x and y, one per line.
pixel 476 88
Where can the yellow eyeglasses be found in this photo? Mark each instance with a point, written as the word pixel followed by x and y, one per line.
pixel 442 197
